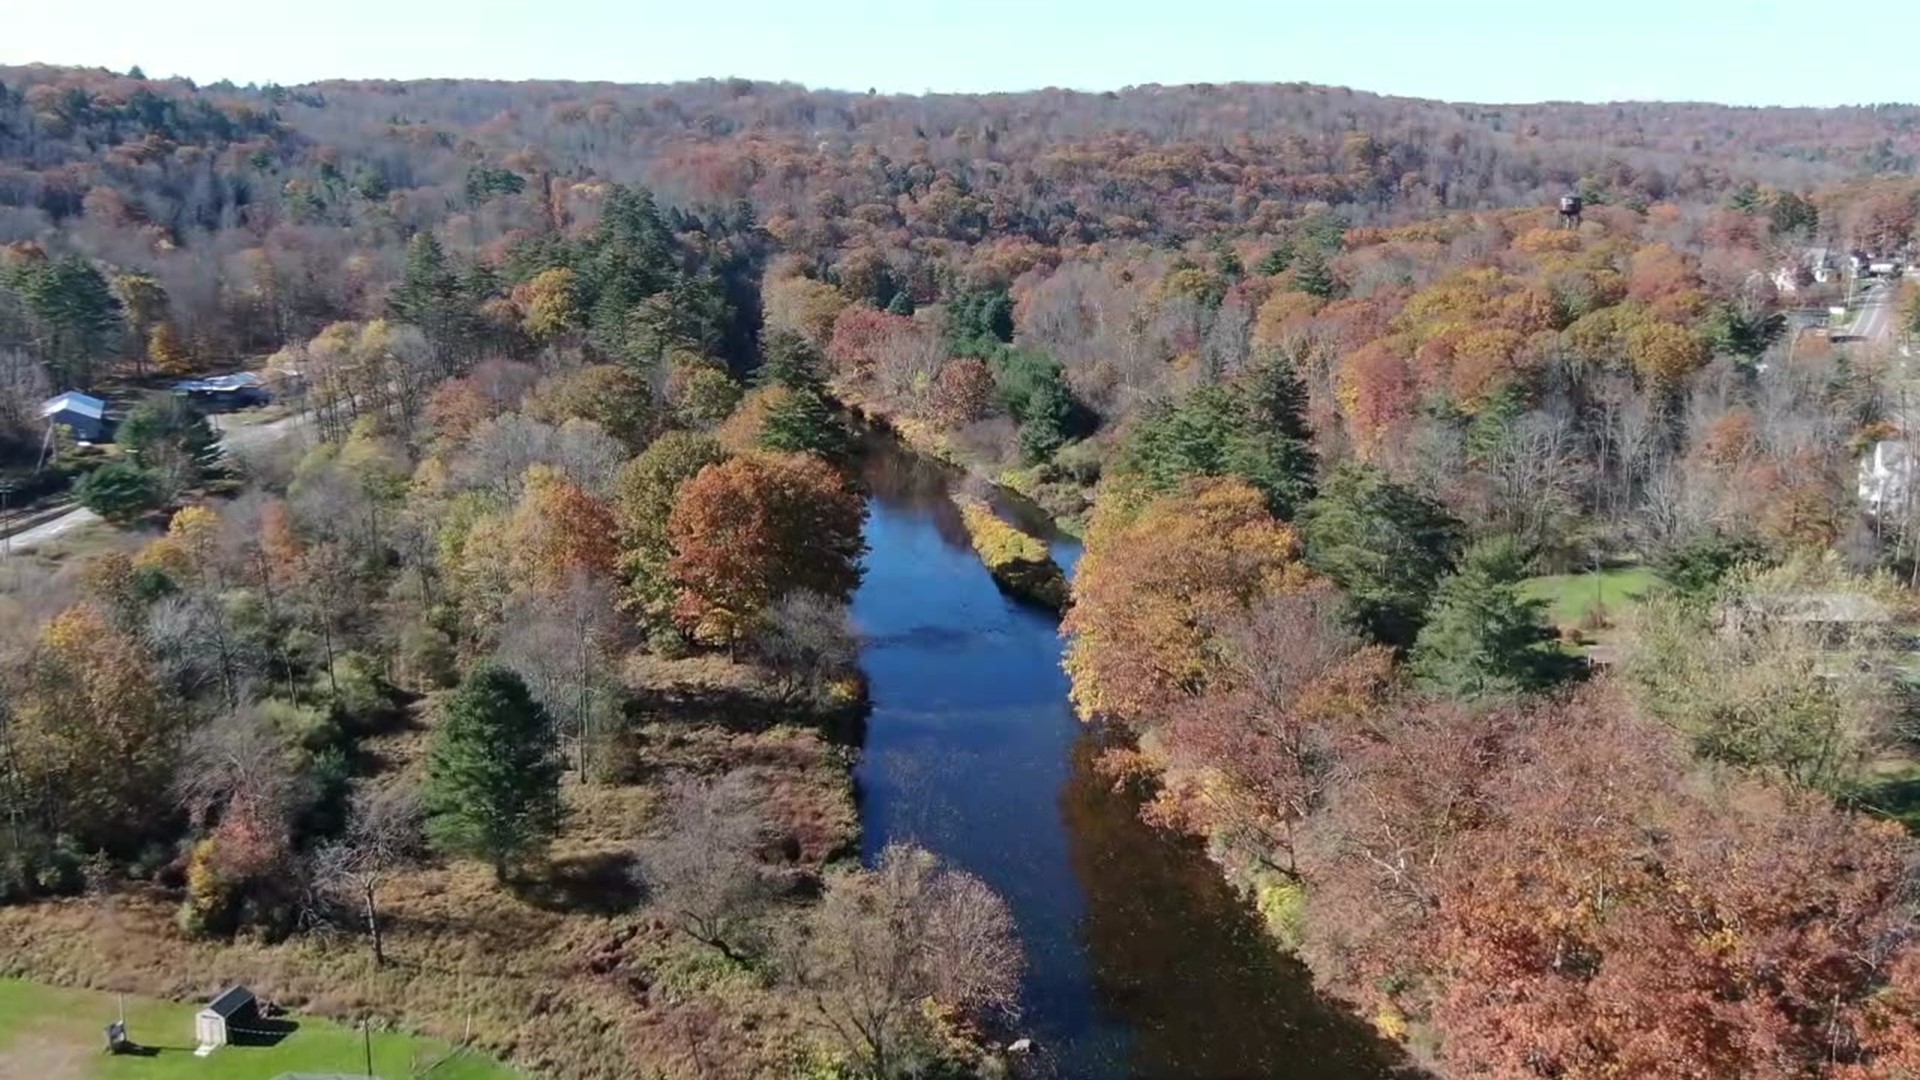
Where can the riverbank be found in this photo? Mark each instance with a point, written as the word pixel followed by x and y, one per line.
pixel 1065 496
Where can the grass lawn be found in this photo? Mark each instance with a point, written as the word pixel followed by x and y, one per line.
pixel 1570 597
pixel 49 1033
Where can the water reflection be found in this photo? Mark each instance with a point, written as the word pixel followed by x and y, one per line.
pixel 1141 962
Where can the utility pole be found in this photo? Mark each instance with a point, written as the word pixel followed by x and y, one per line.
pixel 6 532
pixel 366 1040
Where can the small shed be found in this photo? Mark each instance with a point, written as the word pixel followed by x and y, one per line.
pixel 234 1008
pixel 84 413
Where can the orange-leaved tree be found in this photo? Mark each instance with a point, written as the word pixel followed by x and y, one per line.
pixel 561 530
pixel 747 531
pixel 1156 583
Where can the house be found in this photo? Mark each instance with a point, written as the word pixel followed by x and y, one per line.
pixel 224 1016
pixel 1816 265
pixel 83 414
pixel 1886 475
pixel 219 393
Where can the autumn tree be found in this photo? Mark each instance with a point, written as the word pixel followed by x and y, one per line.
pixel 562 642
pixel 95 735
pixel 1154 583
pixel 606 394
pixel 558 531
pixel 963 394
pixel 552 303
pixel 748 531
pixel 644 498
pixel 806 642
pixel 1245 763
pixel 166 352
pixel 1753 673
pixel 493 777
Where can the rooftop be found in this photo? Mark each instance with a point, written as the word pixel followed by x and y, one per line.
pixel 74 401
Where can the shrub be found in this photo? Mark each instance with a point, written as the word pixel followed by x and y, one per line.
pixel 119 491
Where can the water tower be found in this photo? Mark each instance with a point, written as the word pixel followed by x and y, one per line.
pixel 1570 211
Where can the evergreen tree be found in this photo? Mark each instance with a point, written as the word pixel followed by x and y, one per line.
pixel 428 290
pixel 436 298
pixel 1483 638
pixel 789 360
pixel 1278 259
pixel 165 428
pixel 74 314
pixel 119 491
pixel 1386 545
pixel 901 304
pixel 1048 421
pixel 1313 276
pixel 1256 430
pixel 493 779
pixel 804 422
pixel 978 323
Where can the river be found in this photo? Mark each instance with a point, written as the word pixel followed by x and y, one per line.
pixel 1142 963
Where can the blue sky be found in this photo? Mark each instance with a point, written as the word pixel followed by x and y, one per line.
pixel 1750 52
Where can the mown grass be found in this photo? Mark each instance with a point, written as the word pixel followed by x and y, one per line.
pixel 51 1033
pixel 1579 601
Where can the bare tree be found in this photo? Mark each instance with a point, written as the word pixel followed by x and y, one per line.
pixel 384 835
pixel 886 940
pixel 196 645
pixel 805 641
pixel 237 765
pixel 562 645
pixel 704 867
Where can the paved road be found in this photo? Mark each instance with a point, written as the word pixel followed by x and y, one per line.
pixel 1875 323
pixel 238 439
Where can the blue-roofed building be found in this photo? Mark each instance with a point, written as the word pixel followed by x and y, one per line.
pixel 84 414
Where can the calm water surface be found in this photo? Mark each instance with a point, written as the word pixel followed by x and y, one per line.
pixel 1141 962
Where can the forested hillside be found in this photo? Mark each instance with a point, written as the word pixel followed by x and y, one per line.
pixel 542 615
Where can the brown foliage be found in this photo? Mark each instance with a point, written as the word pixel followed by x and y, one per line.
pixel 748 531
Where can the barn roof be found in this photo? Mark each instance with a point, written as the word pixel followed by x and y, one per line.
pixel 74 401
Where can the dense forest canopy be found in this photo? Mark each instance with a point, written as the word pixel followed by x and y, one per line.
pixel 1336 395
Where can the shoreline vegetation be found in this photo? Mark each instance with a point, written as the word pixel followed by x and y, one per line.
pixel 1021 564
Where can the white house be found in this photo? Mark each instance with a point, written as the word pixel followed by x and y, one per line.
pixel 1886 475
pixel 1818 265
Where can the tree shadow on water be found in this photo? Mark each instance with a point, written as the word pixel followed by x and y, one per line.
pixel 1181 959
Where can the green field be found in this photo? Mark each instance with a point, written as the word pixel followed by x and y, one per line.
pixel 1570 597
pixel 48 1033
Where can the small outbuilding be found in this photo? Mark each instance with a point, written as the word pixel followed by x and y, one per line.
pixel 234 1008
pixel 85 414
